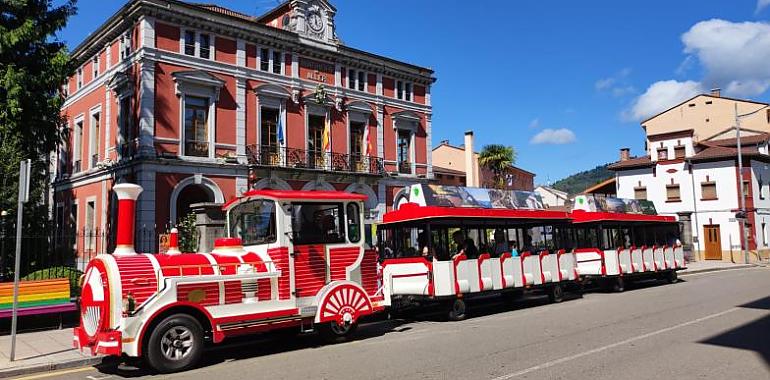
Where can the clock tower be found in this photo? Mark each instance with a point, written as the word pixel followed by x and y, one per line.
pixel 313 19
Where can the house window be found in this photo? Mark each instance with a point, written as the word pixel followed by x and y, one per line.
pixel 264 59
pixel 78 151
pixel 361 81
pixel 640 192
pixel 663 154
pixel 357 139
pixel 205 46
pixel 89 232
pixel 399 89
pixel 352 79
pixel 93 145
pixel 80 78
pixel 95 64
pixel 761 189
pixel 269 135
pixel 73 222
pixel 277 62
pixel 404 151
pixel 125 46
pixel 196 128
pixel 189 42
pixel 124 128
pixel 408 92
pixel 315 139
pixel 679 151
pixel 708 191
pixel 672 193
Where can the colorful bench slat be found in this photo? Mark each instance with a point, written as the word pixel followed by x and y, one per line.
pixel 37 297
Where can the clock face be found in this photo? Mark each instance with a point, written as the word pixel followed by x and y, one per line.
pixel 315 21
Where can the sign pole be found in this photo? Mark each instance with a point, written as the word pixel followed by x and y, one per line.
pixel 24 171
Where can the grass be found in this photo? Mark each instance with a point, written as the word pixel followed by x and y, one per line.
pixel 72 274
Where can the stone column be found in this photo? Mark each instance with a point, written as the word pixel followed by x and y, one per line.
pixel 210 223
pixel 685 230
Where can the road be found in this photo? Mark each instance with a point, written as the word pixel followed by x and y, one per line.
pixel 710 325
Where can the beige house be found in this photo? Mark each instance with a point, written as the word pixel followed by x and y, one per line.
pixel 690 170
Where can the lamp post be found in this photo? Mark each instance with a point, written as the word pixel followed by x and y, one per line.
pixel 742 200
pixel 3 214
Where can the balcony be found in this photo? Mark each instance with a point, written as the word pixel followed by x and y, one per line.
pixel 292 158
pixel 405 167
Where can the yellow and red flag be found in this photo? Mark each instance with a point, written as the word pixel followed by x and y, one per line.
pixel 326 144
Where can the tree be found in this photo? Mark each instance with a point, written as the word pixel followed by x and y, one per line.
pixel 497 159
pixel 188 234
pixel 34 66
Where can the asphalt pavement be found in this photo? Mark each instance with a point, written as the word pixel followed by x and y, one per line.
pixel 709 325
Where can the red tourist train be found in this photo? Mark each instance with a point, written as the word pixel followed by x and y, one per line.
pixel 297 259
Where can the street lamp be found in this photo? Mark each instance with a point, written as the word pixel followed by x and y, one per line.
pixel 742 200
pixel 3 214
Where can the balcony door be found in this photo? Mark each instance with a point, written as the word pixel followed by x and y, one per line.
pixel 315 131
pixel 404 151
pixel 268 136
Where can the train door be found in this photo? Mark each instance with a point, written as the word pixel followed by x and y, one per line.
pixel 315 226
pixel 713 243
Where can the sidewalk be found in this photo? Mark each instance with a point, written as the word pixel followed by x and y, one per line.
pixel 40 352
pixel 712 265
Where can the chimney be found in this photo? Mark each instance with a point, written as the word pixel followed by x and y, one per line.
pixel 471 172
pixel 625 154
pixel 716 92
pixel 127 194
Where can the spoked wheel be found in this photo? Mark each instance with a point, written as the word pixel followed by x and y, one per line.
pixel 333 332
pixel 456 310
pixel 176 344
pixel 555 293
pixel 672 277
pixel 619 285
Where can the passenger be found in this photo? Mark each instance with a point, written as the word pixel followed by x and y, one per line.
pixel 464 246
pixel 422 241
pixel 501 246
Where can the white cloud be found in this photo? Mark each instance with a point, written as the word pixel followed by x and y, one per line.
pixel 553 136
pixel 735 55
pixel 661 96
pixel 761 4
pixel 534 124
pixel 617 85
pixel 604 83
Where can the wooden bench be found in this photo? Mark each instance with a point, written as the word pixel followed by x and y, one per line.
pixel 37 298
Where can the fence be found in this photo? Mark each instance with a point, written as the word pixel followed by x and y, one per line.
pixel 56 255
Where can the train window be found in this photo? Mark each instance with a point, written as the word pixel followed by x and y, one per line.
pixel 400 242
pixel 317 223
pixel 253 222
pixel 354 223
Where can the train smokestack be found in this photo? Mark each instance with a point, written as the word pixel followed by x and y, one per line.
pixel 127 194
pixel 173 242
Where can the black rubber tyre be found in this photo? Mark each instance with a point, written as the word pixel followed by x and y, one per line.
pixel 555 293
pixel 672 277
pixel 619 285
pixel 456 310
pixel 332 332
pixel 175 344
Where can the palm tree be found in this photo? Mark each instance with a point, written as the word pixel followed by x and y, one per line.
pixel 497 159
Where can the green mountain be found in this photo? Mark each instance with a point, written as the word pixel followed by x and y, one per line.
pixel 576 183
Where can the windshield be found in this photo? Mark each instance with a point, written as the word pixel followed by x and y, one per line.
pixel 253 222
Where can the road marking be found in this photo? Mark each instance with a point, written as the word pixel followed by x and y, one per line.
pixel 711 272
pixel 58 373
pixel 613 345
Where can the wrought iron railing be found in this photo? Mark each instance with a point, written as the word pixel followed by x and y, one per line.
pixel 405 167
pixel 285 157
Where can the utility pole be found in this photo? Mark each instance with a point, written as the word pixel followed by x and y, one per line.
pixel 742 200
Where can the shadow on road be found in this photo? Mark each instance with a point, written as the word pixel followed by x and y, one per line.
pixel 752 336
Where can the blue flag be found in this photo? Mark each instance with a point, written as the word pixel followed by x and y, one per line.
pixel 280 129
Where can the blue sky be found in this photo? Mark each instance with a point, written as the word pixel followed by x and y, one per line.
pixel 564 82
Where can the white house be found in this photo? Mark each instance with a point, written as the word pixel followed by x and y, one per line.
pixel 552 197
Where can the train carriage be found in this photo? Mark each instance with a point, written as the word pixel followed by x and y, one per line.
pixel 613 246
pixel 291 259
pixel 441 250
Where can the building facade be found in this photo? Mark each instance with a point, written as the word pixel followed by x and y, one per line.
pixel 691 170
pixel 199 103
pixel 459 166
pixel 552 198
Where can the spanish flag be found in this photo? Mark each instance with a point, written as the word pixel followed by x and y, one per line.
pixel 367 142
pixel 326 144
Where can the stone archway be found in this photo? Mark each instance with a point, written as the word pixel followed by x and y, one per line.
pixel 201 189
pixel 318 186
pixel 271 183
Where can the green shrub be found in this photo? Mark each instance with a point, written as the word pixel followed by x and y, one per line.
pixel 72 274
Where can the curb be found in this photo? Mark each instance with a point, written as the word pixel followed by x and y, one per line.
pixel 718 269
pixel 50 366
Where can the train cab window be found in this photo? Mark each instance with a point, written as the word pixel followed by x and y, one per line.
pixel 317 223
pixel 253 222
pixel 354 222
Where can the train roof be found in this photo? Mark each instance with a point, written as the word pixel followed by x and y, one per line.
pixel 413 212
pixel 580 216
pixel 298 195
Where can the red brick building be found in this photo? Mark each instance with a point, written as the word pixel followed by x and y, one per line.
pixel 198 103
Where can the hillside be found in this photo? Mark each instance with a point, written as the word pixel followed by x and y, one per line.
pixel 578 182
